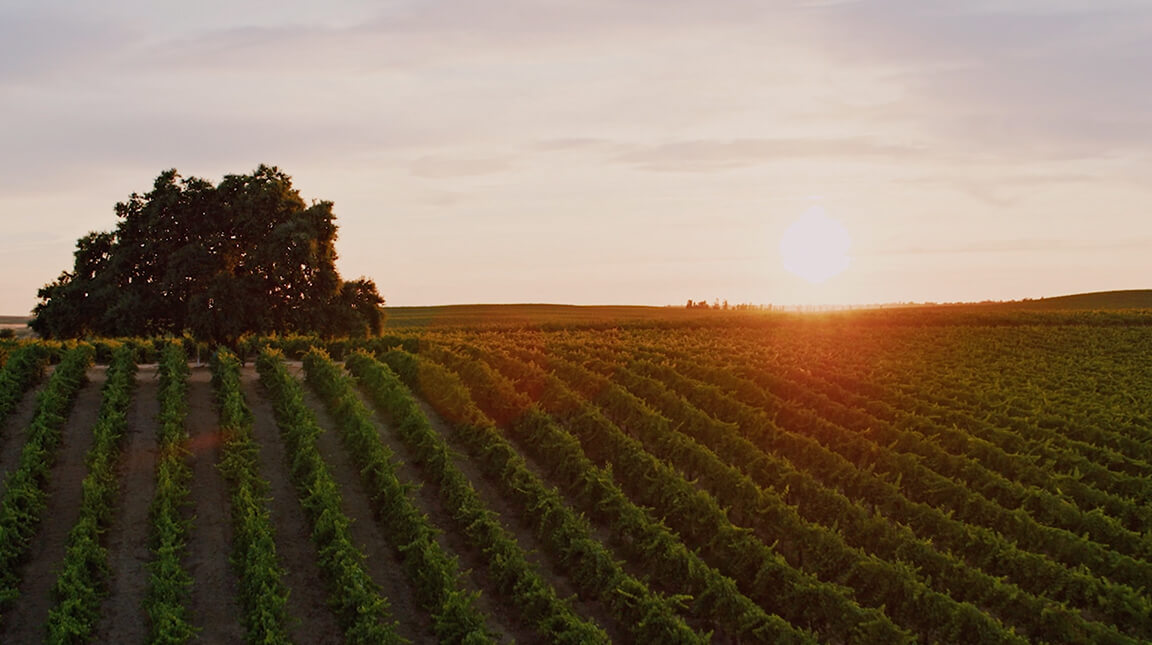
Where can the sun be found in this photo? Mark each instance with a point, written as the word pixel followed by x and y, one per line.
pixel 815 247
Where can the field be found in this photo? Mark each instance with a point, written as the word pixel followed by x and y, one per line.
pixel 948 475
pixel 541 315
pixel 1098 300
pixel 16 326
pixel 550 316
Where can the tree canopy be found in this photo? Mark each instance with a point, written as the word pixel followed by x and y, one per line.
pixel 245 256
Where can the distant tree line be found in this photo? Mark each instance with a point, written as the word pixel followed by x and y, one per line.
pixel 247 256
pixel 722 305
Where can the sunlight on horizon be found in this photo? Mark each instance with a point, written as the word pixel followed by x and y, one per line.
pixel 591 153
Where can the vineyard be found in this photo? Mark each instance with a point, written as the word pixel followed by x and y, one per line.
pixel 894 478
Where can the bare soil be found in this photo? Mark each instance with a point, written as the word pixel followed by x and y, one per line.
pixel 212 603
pixel 123 619
pixel 25 622
pixel 14 430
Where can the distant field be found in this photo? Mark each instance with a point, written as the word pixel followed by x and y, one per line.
pixel 543 314
pixel 1108 307
pixel 1099 300
pixel 18 324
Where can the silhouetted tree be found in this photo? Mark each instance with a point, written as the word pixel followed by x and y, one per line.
pixel 246 256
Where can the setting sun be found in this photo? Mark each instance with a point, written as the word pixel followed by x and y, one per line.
pixel 797 321
pixel 815 247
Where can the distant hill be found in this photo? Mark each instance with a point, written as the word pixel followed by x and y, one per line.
pixel 16 325
pixel 553 315
pixel 512 315
pixel 517 315
pixel 1096 301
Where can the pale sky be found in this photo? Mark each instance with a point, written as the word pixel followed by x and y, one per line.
pixel 594 152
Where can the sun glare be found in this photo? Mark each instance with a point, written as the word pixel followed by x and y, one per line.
pixel 815 247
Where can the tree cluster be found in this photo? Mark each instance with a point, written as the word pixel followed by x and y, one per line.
pixel 720 305
pixel 703 304
pixel 247 256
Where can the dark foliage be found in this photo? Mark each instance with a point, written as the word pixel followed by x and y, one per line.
pixel 246 256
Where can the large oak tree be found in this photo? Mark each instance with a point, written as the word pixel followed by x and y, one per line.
pixel 245 256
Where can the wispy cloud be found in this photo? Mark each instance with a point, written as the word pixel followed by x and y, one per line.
pixel 710 155
pixel 1031 245
pixel 1006 186
pixel 443 167
pixel 1049 79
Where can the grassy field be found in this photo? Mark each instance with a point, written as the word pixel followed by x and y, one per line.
pixel 1099 300
pixel 516 315
pixel 560 316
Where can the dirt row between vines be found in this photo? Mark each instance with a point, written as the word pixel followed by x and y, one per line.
pixel 15 428
pixel 213 603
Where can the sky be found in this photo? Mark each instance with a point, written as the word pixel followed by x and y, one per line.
pixel 595 152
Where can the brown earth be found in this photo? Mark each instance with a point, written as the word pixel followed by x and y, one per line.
pixel 212 602
pixel 123 619
pixel 14 430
